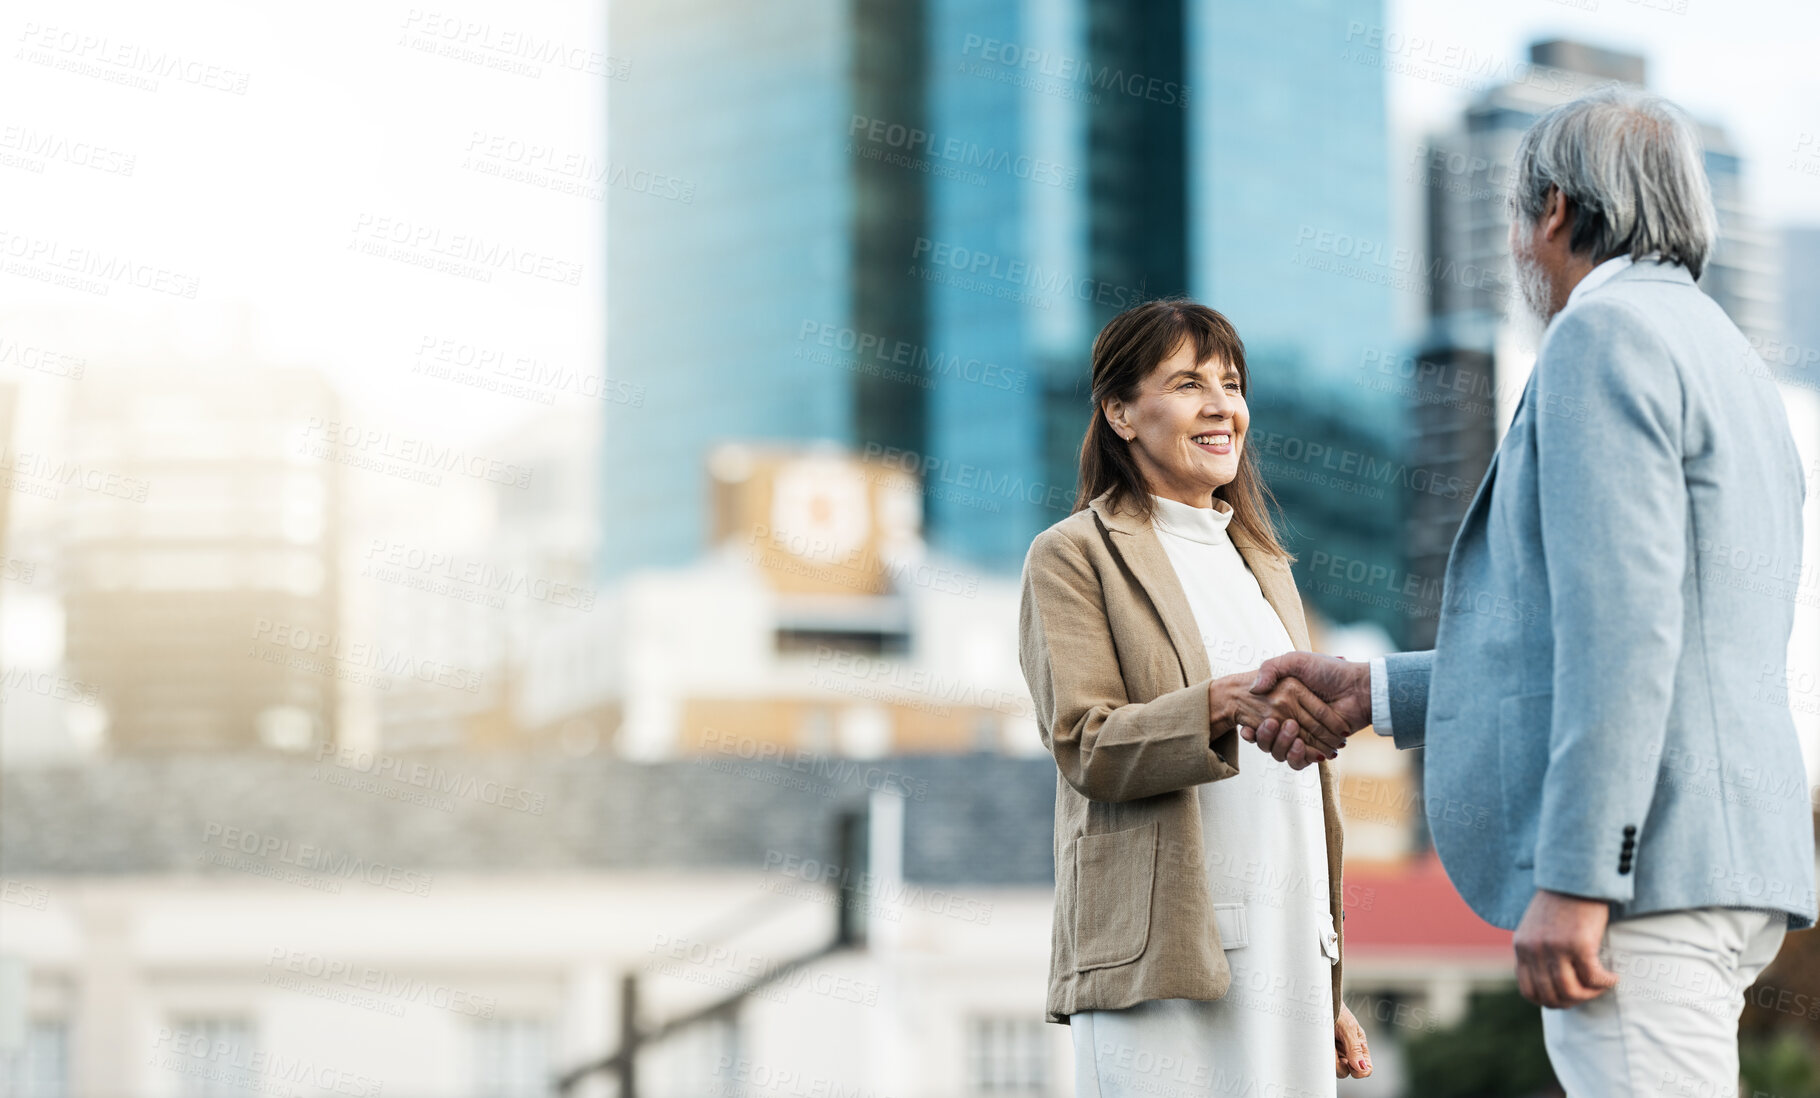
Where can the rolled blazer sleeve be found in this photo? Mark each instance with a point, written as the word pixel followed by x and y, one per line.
pixel 1106 746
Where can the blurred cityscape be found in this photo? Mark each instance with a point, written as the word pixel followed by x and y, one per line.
pixel 685 716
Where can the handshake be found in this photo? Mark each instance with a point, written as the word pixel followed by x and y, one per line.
pixel 1299 706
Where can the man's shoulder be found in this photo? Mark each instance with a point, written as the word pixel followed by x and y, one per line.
pixel 1636 315
pixel 1649 292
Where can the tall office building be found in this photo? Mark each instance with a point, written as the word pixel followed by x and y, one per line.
pixel 909 247
pixel 1288 185
pixel 1471 369
pixel 851 265
pixel 1469 177
pixel 719 286
pixel 200 554
pixel 1798 356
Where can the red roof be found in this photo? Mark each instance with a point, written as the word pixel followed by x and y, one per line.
pixel 1414 906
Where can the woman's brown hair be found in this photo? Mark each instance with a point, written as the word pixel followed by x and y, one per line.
pixel 1128 348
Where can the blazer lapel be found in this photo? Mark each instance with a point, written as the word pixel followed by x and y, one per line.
pixel 1483 496
pixel 1137 545
pixel 1277 583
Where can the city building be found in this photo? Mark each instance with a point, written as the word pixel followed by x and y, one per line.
pixel 464 924
pixel 817 620
pixel 200 511
pixel 910 243
pixel 1463 383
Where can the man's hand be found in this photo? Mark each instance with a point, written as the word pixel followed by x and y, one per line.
pixel 1343 684
pixel 1558 950
pixel 1232 700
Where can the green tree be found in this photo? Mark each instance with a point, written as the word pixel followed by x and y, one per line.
pixel 1496 1051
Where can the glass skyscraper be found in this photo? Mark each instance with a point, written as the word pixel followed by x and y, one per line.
pixel 908 250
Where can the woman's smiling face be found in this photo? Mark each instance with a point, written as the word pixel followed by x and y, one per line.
pixel 1186 427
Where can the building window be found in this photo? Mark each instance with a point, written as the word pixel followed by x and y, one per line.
pixel 512 1058
pixel 699 1059
pixel 40 1068
pixel 1007 1056
pixel 213 1058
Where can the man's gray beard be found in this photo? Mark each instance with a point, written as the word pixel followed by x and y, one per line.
pixel 1531 283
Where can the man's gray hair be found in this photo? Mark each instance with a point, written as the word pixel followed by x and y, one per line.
pixel 1633 167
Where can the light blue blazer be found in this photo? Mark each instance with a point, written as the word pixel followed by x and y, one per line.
pixel 1605 710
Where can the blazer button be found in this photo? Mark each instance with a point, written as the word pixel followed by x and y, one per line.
pixel 1630 829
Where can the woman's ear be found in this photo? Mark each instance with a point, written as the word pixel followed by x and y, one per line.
pixel 1114 411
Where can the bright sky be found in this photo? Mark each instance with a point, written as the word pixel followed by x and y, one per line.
pixel 346 132
pixel 1746 64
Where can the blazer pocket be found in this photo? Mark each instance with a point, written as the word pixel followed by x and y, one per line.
pixel 1235 929
pixel 1114 874
pixel 1523 730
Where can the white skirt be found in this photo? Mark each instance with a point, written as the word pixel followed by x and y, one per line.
pixel 1272 1032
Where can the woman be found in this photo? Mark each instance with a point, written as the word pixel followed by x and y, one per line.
pixel 1196 937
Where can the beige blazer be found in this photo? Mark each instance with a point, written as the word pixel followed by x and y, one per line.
pixel 1119 674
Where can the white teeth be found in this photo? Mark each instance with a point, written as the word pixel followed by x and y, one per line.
pixel 1213 440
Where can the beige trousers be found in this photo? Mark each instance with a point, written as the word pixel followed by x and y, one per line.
pixel 1670 1027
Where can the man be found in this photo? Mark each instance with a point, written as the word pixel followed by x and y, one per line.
pixel 1611 764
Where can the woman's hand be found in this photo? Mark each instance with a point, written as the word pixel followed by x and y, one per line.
pixel 1291 704
pixel 1350 1056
